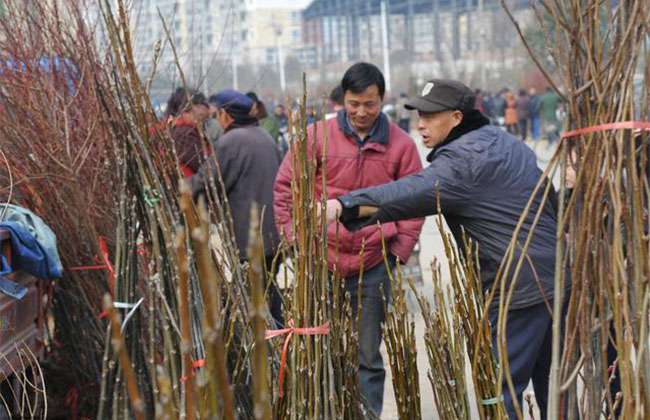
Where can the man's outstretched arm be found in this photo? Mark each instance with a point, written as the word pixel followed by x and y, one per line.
pixel 407 198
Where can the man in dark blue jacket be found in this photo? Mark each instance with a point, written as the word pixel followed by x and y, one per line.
pixel 483 178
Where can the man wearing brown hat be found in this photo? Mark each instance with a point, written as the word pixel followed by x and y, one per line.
pixel 483 178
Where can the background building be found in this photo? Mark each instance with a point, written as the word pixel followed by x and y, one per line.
pixel 467 39
pixel 266 45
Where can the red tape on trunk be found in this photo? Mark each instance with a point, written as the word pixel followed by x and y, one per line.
pixel 624 125
pixel 290 332
pixel 105 259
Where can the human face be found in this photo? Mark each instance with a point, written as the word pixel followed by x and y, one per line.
pixel 224 119
pixel 363 108
pixel 254 110
pixel 435 127
pixel 200 112
pixel 214 112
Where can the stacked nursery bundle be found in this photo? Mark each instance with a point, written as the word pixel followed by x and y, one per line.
pixel 184 332
pixel 182 328
pixel 600 50
pixel 62 163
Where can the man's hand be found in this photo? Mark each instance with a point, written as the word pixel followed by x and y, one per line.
pixel 334 209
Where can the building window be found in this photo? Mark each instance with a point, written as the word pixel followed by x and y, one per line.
pixel 270 55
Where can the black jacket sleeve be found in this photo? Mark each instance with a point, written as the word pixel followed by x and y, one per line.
pixel 410 197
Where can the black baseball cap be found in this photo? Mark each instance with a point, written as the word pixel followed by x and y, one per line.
pixel 443 95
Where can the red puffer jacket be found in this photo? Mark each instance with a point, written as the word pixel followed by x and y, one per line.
pixel 388 154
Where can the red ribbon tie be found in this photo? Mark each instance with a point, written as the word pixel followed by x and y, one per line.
pixel 289 332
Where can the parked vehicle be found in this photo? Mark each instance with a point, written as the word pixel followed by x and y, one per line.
pixel 22 326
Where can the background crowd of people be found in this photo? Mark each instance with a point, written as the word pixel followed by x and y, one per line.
pixel 525 113
pixel 370 144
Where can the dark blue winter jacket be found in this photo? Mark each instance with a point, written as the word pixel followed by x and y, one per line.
pixel 484 179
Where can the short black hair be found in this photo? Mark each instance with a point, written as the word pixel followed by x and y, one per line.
pixel 253 96
pixel 261 108
pixel 178 101
pixel 361 76
pixel 336 95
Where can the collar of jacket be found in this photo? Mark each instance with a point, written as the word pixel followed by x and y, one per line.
pixel 378 132
pixel 183 121
pixel 472 120
pixel 242 124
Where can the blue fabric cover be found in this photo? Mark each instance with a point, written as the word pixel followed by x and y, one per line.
pixel 29 255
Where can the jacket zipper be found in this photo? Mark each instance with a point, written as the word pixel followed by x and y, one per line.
pixel 355 235
pixel 359 165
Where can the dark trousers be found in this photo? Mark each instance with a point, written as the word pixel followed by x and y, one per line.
pixel 523 128
pixel 371 365
pixel 529 340
pixel 534 127
pixel 512 129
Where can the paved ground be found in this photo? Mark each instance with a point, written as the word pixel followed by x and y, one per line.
pixel 431 247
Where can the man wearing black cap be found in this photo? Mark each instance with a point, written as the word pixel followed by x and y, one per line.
pixel 483 178
pixel 248 160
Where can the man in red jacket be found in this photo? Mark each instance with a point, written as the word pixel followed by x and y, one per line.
pixel 364 149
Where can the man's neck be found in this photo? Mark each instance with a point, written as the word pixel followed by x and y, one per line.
pixel 361 133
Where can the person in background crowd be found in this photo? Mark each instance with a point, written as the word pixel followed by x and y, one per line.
pixel 187 109
pixel 479 101
pixel 311 115
pixel 363 149
pixel 548 105
pixel 248 162
pixel 481 179
pixel 510 117
pixel 523 114
pixel 488 107
pixel 336 102
pixel 269 123
pixel 403 114
pixel 389 109
pixel 212 128
pixel 533 111
pixel 281 115
pixel 499 103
